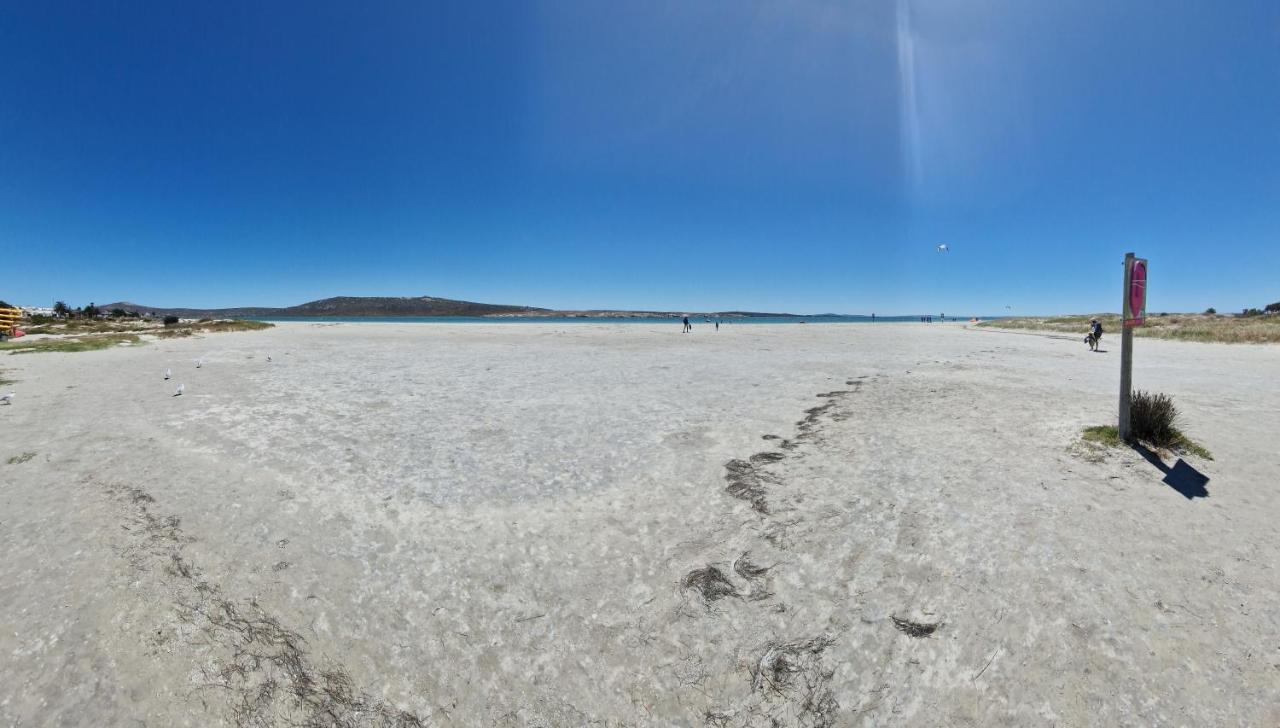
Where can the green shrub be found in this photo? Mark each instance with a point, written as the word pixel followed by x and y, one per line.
pixel 1153 418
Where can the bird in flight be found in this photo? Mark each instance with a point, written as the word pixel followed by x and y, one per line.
pixel 943 248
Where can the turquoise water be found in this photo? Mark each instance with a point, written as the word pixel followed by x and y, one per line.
pixel 696 321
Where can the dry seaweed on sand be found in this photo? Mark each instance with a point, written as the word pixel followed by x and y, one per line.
pixel 711 583
pixel 747 483
pixel 751 492
pixel 744 567
pixel 793 672
pixel 915 629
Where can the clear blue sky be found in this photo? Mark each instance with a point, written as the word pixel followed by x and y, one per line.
pixel 802 156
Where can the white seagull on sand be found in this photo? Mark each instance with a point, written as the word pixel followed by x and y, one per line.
pixel 168 373
pixel 7 398
pixel 181 388
pixel 198 363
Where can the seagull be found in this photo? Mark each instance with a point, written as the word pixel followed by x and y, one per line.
pixel 268 357
pixel 197 363
pixel 181 389
pixel 7 398
pixel 942 248
pixel 168 373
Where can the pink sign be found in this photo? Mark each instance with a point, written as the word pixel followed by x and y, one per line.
pixel 1136 303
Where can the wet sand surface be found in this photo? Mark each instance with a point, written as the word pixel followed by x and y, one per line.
pixel 547 525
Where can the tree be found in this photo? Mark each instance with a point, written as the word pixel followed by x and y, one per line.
pixel 1211 311
pixel 61 309
pixel 91 311
pixel 118 313
pixel 1272 307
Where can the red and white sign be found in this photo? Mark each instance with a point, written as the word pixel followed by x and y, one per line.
pixel 1135 300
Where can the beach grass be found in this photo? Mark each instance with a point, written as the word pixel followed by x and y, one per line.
pixel 20 459
pixel 71 343
pixel 1109 436
pixel 1178 326
pixel 45 325
pixel 141 326
pixel 210 326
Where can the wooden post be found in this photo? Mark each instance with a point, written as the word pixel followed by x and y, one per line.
pixel 1126 354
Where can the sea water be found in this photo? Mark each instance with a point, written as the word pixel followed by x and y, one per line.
pixel 724 321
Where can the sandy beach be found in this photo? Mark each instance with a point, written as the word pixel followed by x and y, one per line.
pixel 617 524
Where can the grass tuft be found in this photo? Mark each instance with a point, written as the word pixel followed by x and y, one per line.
pixel 1153 419
pixel 1108 435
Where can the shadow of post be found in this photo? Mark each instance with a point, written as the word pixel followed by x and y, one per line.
pixel 1188 481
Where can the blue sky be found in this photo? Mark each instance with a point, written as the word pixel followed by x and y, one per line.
pixel 802 156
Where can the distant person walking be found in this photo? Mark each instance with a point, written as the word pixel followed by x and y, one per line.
pixel 1094 339
pixel 717 324
pixel 687 326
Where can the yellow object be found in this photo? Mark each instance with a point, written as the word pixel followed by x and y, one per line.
pixel 9 318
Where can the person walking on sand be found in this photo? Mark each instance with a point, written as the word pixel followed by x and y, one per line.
pixel 687 326
pixel 717 324
pixel 1094 339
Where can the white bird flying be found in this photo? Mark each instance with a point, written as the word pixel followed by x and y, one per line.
pixel 168 373
pixel 7 398
pixel 942 248
pixel 181 388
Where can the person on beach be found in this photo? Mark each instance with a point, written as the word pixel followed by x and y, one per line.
pixel 687 326
pixel 717 324
pixel 1094 339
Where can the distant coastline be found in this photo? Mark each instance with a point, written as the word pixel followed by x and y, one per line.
pixel 424 306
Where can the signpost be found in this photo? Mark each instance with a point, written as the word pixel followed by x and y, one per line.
pixel 1133 313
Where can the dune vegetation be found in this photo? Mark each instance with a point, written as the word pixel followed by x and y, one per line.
pixel 1263 329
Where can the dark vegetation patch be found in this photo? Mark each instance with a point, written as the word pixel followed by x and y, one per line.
pixel 709 582
pixel 20 459
pixel 743 566
pixel 748 483
pixel 794 671
pixel 914 629
pixel 755 575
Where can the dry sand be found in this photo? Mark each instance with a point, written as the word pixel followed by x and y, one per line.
pixel 529 525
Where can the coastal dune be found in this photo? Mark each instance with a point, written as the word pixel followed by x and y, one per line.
pixel 617 524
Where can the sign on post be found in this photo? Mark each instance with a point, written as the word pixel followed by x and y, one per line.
pixel 1135 286
pixel 1133 313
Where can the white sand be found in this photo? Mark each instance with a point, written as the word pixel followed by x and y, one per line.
pixel 489 524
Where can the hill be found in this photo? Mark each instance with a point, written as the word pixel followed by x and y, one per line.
pixel 341 306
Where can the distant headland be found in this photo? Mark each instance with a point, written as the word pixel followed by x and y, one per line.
pixel 356 306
